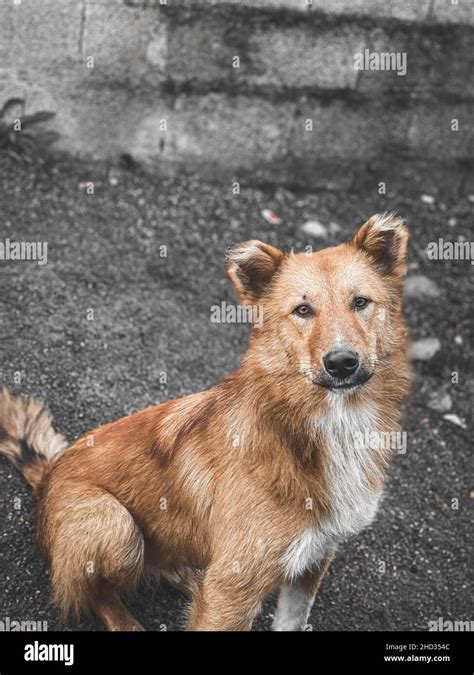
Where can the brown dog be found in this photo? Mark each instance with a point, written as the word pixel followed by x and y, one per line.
pixel 251 485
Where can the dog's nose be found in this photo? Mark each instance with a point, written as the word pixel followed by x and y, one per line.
pixel 341 363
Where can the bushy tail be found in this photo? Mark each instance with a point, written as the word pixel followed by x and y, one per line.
pixel 27 437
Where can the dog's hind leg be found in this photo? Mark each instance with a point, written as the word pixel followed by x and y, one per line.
pixel 186 580
pixel 108 607
pixel 95 549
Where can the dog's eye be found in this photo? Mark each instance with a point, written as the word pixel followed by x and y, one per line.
pixel 360 303
pixel 304 311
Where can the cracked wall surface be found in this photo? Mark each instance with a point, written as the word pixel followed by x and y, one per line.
pixel 231 88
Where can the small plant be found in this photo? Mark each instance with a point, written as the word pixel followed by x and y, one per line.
pixel 23 137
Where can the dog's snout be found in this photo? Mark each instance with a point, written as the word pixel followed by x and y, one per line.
pixel 341 363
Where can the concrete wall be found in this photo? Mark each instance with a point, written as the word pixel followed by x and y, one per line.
pixel 157 80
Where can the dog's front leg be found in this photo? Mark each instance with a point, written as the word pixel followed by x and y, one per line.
pixel 297 597
pixel 226 603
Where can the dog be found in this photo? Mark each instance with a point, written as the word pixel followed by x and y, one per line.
pixel 249 487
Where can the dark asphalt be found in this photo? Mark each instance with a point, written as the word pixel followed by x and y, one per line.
pixel 151 315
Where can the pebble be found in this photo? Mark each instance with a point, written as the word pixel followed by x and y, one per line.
pixel 427 199
pixel 425 349
pixel 455 419
pixel 440 401
pixel 315 229
pixel 419 286
pixel 271 217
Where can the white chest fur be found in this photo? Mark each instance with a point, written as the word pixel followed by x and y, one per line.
pixel 354 502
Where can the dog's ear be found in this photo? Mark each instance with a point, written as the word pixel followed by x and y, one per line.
pixel 250 267
pixel 384 238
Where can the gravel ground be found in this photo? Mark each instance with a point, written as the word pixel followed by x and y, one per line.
pixel 151 317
